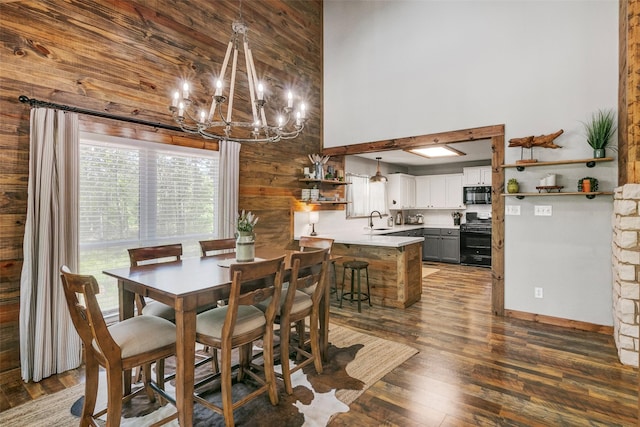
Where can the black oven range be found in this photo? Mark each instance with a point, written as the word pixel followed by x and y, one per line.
pixel 475 240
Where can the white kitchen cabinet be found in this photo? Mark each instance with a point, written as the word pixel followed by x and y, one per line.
pixel 423 191
pixel 439 191
pixel 453 191
pixel 401 191
pixel 477 175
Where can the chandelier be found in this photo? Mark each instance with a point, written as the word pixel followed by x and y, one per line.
pixel 211 122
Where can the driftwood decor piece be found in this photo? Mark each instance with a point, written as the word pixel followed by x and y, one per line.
pixel 544 141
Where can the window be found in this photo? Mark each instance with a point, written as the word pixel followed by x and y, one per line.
pixel 364 196
pixel 134 193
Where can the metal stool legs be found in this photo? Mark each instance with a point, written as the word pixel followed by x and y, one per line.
pixel 356 267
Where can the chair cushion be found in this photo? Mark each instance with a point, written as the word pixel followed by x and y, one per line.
pixel 210 322
pixel 301 301
pixel 141 334
pixel 158 309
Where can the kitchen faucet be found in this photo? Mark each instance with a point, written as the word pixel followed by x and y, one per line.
pixel 371 218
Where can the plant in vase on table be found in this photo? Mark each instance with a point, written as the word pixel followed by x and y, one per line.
pixel 246 237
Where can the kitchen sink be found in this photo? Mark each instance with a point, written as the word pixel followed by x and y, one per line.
pixel 380 229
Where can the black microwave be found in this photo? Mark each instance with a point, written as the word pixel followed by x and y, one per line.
pixel 477 195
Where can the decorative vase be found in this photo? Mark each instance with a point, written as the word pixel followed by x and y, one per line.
pixel 598 153
pixel 319 170
pixel 245 247
pixel 587 184
pixel 513 187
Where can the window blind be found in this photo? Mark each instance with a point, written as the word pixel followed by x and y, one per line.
pixel 365 196
pixel 134 193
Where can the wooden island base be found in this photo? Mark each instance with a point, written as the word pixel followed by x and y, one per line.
pixel 395 273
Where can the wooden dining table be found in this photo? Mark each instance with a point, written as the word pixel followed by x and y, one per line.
pixel 189 285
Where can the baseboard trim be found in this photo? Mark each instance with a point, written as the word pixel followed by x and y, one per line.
pixel 558 321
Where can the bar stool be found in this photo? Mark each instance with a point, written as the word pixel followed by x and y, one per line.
pixel 356 267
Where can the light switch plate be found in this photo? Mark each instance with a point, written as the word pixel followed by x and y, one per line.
pixel 542 210
pixel 512 210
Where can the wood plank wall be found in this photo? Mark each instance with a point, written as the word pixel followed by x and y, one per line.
pixel 629 94
pixel 125 57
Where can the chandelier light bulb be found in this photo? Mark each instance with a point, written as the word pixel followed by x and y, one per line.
pixel 176 99
pixel 181 109
pixel 290 99
pixel 260 91
pixel 303 111
pixel 202 116
pixel 218 87
pixel 185 90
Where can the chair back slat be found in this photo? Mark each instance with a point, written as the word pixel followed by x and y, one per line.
pixel 310 242
pixel 308 274
pixel 171 252
pixel 87 316
pixel 253 282
pixel 216 245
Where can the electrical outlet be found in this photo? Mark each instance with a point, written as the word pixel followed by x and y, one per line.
pixel 542 210
pixel 512 210
pixel 537 292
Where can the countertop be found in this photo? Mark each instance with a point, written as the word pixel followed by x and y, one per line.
pixel 367 237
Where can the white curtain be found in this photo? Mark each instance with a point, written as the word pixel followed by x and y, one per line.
pixel 229 187
pixel 49 343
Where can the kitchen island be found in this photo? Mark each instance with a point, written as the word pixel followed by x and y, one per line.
pixel 395 264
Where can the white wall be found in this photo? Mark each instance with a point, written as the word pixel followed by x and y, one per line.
pixel 403 68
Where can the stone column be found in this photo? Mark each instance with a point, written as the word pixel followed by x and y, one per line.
pixel 626 272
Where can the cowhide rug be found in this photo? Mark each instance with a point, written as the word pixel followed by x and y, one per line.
pixel 313 402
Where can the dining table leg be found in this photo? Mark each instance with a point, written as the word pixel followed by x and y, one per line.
pixel 325 302
pixel 185 360
pixel 126 311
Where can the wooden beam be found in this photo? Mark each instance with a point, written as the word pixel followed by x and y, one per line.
pixel 462 135
pixel 497 225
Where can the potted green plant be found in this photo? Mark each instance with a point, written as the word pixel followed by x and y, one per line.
pixel 513 186
pixel 599 131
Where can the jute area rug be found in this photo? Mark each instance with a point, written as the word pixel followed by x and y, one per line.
pixel 356 362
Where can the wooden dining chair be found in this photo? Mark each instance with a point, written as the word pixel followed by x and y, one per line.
pixel 216 245
pixel 237 325
pixel 208 248
pixel 137 341
pixel 301 300
pixel 310 242
pixel 145 255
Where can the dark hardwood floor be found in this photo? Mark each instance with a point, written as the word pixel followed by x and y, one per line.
pixel 472 369
pixel 477 369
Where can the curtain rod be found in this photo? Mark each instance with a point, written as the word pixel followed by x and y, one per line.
pixel 37 103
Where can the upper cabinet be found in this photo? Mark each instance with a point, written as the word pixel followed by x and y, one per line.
pixel 477 175
pixel 401 191
pixel 439 191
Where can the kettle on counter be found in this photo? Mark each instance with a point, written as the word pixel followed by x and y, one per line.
pixel 399 218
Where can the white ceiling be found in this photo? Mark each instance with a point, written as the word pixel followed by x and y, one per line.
pixel 475 150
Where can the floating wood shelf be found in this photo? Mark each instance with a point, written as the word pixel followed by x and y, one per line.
pixel 324 202
pixel 589 195
pixel 323 181
pixel 589 162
